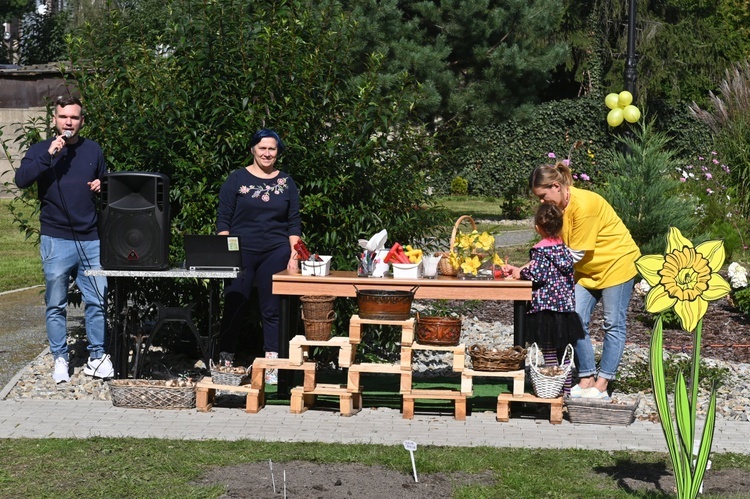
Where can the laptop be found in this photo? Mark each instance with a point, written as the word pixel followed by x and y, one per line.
pixel 212 252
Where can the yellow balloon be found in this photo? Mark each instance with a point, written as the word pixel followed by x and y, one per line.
pixel 611 100
pixel 631 114
pixel 614 118
pixel 624 99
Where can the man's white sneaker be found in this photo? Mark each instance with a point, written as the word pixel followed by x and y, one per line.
pixel 61 373
pixel 99 368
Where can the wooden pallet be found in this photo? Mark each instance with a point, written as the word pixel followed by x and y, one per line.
pixel 356 323
pixel 458 398
pixel 353 384
pixel 301 399
pixel 299 349
pixel 518 377
pixel 205 395
pixel 504 400
pixel 459 355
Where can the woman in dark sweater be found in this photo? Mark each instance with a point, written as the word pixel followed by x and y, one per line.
pixel 260 204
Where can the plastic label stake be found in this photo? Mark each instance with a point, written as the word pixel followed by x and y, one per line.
pixel 273 481
pixel 411 447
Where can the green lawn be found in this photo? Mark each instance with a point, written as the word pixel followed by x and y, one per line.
pixel 103 467
pixel 19 264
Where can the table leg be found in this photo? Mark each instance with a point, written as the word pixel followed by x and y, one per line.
pixel 120 353
pixel 285 376
pixel 519 322
pixel 214 329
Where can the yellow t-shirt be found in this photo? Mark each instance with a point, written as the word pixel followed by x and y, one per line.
pixel 590 224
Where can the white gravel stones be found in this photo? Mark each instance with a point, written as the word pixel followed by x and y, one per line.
pixel 733 398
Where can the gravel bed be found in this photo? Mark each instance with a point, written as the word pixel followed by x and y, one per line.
pixel 733 398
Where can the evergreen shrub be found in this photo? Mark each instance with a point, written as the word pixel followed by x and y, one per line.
pixel 643 192
pixel 459 187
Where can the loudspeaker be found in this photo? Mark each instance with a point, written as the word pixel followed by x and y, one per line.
pixel 134 221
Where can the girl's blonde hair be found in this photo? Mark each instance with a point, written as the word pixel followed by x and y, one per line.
pixel 544 176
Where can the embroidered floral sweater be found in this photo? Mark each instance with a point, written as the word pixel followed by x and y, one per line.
pixel 552 272
pixel 264 212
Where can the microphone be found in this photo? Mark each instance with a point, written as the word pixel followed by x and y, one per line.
pixel 67 134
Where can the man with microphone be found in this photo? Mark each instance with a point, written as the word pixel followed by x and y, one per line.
pixel 67 170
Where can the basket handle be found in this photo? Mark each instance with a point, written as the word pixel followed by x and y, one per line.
pixel 532 355
pixel 455 229
pixel 568 348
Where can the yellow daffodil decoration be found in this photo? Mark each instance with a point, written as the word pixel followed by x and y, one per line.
pixel 472 250
pixel 684 279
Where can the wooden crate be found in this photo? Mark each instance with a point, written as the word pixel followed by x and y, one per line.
pixel 459 355
pixel 206 395
pixel 356 323
pixel 458 398
pixel 301 399
pixel 518 377
pixel 504 400
pixel 299 349
pixel 353 376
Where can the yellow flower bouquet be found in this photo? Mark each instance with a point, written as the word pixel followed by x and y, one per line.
pixel 473 255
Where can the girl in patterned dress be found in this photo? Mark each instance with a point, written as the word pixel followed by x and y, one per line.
pixel 552 321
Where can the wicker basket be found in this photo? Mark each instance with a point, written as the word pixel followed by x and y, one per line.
pixel 151 394
pixel 317 307
pixel 591 411
pixel 232 376
pixel 548 387
pixel 483 359
pixel 319 329
pixel 444 265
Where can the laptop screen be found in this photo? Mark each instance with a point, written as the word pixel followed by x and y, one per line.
pixel 212 252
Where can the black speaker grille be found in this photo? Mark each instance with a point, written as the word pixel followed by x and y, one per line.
pixel 133 238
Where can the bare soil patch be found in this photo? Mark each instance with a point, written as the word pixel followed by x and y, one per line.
pixel 347 480
pixel 336 481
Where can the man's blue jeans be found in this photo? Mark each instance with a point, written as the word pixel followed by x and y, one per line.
pixel 615 301
pixel 62 258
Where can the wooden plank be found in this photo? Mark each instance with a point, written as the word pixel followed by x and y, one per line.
pixel 440 348
pixel 355 330
pixel 204 398
pixel 346 355
pixel 373 367
pixel 435 394
pixel 341 283
pixel 281 363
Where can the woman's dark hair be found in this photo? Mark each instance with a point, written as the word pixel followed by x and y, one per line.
pixel 264 134
pixel 549 218
pixel 67 100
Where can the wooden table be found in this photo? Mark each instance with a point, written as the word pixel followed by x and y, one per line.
pixel 342 284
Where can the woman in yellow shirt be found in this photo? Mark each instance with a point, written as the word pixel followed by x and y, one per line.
pixel 605 256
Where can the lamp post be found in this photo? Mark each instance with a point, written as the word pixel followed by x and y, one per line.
pixel 631 59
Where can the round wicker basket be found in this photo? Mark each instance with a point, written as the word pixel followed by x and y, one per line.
pixel 444 266
pixel 319 329
pixel 484 359
pixel 317 307
pixel 548 386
